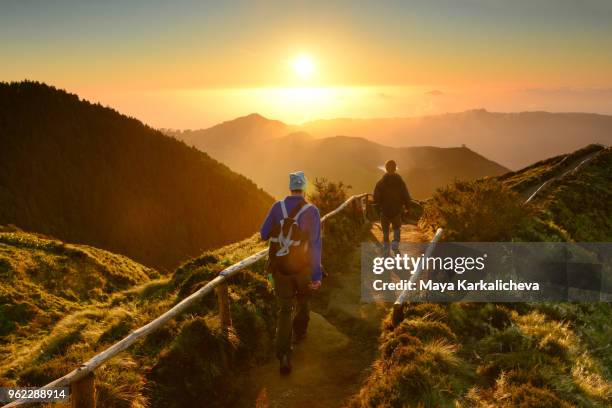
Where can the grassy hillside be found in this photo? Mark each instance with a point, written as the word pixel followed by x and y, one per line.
pixel 506 355
pixel 43 279
pixel 485 355
pixel 266 150
pixel 575 207
pixel 532 176
pixel 87 174
pixel 514 140
pixel 188 358
pixel 187 361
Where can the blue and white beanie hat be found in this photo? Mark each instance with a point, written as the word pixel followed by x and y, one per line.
pixel 297 181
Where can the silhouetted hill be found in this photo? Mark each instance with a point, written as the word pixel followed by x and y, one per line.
pixel 358 161
pixel 513 139
pixel 266 152
pixel 252 128
pixel 87 174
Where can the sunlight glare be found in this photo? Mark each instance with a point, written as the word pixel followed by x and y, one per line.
pixel 303 66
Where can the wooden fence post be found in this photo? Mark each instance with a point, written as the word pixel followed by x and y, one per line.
pixel 354 211
pixel 83 392
pixel 224 308
pixel 364 208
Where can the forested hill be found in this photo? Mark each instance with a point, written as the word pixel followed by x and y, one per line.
pixel 87 174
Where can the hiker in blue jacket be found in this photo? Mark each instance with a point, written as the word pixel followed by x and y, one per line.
pixel 293 227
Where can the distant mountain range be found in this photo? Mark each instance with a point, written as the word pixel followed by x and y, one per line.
pixel 514 140
pixel 87 174
pixel 266 150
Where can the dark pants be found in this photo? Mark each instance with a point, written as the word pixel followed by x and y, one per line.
pixel 291 289
pixel 396 222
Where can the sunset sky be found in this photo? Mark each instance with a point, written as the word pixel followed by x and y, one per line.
pixel 191 64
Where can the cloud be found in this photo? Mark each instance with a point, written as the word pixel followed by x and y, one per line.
pixel 568 91
pixel 434 92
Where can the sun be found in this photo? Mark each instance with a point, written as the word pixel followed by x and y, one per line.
pixel 303 66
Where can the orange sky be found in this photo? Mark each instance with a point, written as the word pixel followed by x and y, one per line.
pixel 187 64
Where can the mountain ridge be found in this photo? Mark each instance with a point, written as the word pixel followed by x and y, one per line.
pixel 88 174
pixel 513 139
pixel 267 158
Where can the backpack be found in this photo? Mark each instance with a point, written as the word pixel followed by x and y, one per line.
pixel 288 252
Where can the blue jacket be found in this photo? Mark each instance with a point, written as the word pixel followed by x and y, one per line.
pixel 309 222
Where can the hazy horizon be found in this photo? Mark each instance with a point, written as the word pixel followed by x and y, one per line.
pixel 366 118
pixel 188 64
pixel 199 109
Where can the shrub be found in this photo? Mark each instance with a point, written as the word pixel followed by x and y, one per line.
pixel 328 195
pixel 475 211
pixel 198 363
pixel 340 232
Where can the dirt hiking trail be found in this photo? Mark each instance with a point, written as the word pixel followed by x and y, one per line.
pixel 332 362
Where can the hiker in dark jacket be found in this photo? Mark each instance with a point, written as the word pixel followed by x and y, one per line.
pixel 391 196
pixel 293 227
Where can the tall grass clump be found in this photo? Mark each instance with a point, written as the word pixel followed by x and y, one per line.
pixel 420 364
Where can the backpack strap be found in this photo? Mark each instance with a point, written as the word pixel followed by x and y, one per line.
pixel 283 208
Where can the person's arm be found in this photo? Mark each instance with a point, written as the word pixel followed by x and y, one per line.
pixel 406 195
pixel 268 224
pixel 314 243
pixel 376 195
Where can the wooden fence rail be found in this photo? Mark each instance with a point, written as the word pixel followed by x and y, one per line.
pixel 81 379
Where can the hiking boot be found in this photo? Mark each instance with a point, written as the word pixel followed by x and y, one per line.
pixel 285 365
pixel 298 338
pixel 395 248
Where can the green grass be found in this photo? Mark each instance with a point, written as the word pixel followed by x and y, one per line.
pixel 506 355
pixel 482 355
pixel 189 359
pixel 63 303
pixel 577 207
pixel 537 173
pixel 148 372
pixel 41 279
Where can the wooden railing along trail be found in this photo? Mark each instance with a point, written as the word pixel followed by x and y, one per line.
pixel 82 380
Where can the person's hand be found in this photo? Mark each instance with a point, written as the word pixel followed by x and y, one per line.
pixel 315 285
